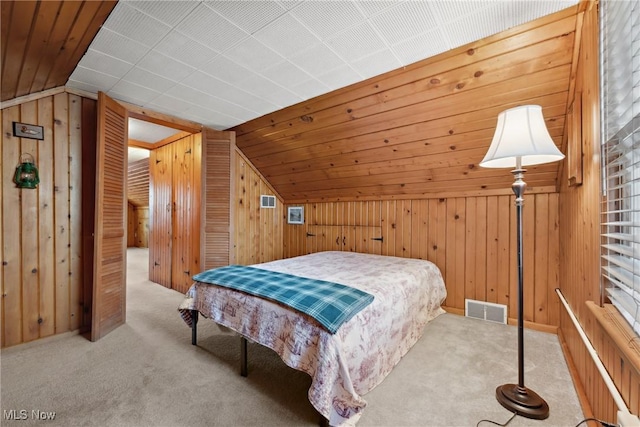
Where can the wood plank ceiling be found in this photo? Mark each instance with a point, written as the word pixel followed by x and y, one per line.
pixel 421 131
pixel 42 41
pixel 415 132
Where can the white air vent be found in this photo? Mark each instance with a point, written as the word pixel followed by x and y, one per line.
pixel 267 201
pixel 485 311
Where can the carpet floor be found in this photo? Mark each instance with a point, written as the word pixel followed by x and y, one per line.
pixel 147 373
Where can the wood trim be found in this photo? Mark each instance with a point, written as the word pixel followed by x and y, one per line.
pixel 550 329
pixel 33 97
pixel 154 145
pixel 453 310
pixel 577 43
pixel 173 138
pixel 141 144
pixel 82 93
pixel 147 115
pixel 575 377
pixel 624 338
pixel 233 149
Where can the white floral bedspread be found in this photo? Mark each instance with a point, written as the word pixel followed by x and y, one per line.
pixel 345 365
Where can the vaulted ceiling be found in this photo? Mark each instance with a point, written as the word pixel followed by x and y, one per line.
pixel 416 131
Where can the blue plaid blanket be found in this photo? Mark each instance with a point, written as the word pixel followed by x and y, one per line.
pixel 329 303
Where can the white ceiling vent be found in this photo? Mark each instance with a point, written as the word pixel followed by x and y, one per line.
pixel 485 311
pixel 267 201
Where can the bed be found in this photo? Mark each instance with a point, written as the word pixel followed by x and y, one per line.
pixel 407 294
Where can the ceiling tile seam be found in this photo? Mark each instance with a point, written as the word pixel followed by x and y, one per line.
pixel 110 56
pixel 381 11
pixel 195 5
pixel 323 41
pixel 384 39
pixel 286 12
pixel 441 23
pixel 112 90
pixel 206 108
pixel 234 85
pixel 97 72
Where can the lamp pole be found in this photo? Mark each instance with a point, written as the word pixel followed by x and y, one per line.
pixel 519 187
pixel 518 398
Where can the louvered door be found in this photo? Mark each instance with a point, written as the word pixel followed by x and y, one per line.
pixel 110 243
pixel 218 149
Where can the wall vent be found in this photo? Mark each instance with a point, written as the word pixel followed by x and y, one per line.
pixel 485 311
pixel 267 201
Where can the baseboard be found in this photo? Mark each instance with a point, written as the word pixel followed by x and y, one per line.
pixel 40 341
pixel 577 383
pixel 458 311
pixel 550 329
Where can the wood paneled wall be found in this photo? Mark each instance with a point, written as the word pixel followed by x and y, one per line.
pixel 138 183
pixel 258 231
pixel 471 240
pixel 579 217
pixel 41 238
pixel 137 227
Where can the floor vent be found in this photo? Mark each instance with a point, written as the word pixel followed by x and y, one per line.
pixel 485 311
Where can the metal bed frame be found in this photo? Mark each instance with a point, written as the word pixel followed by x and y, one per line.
pixel 324 422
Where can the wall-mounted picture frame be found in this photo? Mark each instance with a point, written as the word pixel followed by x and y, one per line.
pixel 24 130
pixel 295 215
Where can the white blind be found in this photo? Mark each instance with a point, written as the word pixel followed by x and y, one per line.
pixel 620 50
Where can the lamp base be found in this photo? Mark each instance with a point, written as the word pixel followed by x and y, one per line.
pixel 522 401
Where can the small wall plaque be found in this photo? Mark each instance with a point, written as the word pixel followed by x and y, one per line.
pixel 295 215
pixel 23 130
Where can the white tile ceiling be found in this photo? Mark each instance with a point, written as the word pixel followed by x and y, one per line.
pixel 222 63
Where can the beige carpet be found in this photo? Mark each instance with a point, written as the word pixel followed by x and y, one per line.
pixel 147 373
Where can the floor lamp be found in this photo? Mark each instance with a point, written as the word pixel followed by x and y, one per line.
pixel 521 139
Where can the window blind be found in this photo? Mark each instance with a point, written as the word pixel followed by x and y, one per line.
pixel 620 68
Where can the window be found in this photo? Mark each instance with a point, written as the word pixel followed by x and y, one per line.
pixel 620 53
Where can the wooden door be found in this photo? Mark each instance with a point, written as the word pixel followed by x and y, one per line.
pixel 314 238
pixel 110 243
pixel 217 206
pixel 369 240
pixel 160 215
pixel 186 212
pixel 335 239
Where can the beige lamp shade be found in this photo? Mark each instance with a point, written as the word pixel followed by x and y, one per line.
pixel 521 139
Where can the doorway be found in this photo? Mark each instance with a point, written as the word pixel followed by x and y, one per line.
pixel 154 151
